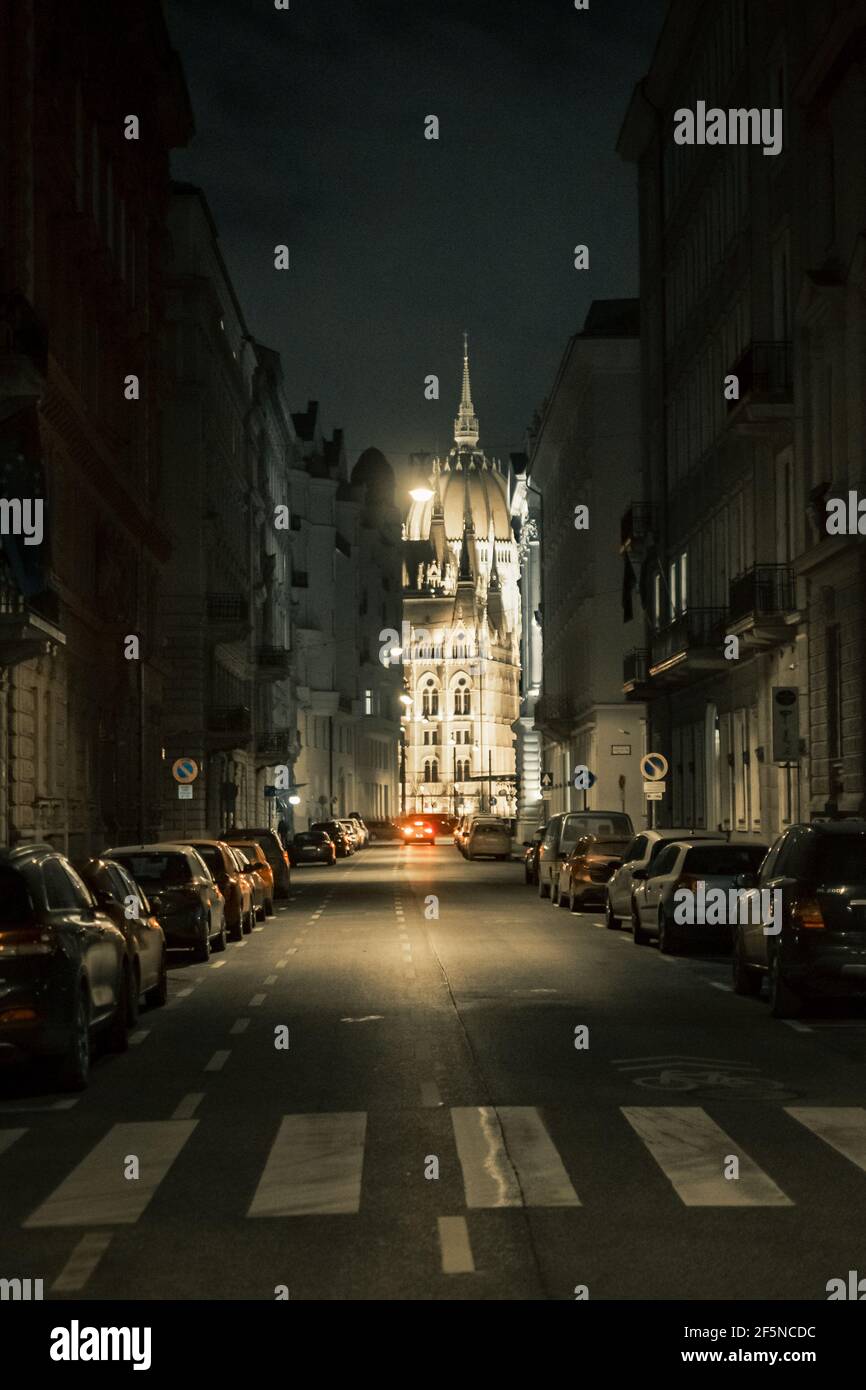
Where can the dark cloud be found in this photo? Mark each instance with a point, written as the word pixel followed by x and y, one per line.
pixel 310 131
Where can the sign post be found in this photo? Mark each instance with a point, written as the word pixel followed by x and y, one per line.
pixel 653 766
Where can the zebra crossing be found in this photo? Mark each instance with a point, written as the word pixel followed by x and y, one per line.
pixel 316 1164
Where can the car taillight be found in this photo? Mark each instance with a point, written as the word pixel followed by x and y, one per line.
pixel 25 942
pixel 285 856
pixel 407 830
pixel 808 914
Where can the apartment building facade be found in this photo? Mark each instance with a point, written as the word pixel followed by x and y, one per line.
pixel 751 355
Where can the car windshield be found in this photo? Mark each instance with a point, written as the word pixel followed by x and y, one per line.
pixel 837 859
pixel 312 838
pixel 164 870
pixel 727 860
pixel 591 824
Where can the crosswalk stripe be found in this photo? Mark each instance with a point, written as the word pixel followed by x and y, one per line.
pixel 692 1150
pixel 81 1263
pixel 8 1137
pixel 508 1158
pixel 314 1166
pixel 454 1242
pixel 96 1193
pixel 843 1127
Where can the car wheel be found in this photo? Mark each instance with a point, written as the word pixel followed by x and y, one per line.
pixel 574 903
pixel 158 995
pixel 202 949
pixel 249 921
pixel 117 1037
pixel 638 935
pixel 543 888
pixel 269 908
pixel 237 932
pixel 221 938
pixel 260 913
pixel 610 921
pixel 563 901
pixel 746 980
pixel 554 893
pixel 784 1002
pixel 669 942
pixel 73 1069
pixel 133 998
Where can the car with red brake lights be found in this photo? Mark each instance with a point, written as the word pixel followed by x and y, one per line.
pixel 418 832
pixel 817 946
pixel 683 864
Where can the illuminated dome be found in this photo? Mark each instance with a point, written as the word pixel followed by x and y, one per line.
pixel 487 501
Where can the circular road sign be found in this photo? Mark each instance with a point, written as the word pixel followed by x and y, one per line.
pixel 654 766
pixel 184 770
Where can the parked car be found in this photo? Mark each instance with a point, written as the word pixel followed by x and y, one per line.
pixel 274 850
pixel 361 828
pixel 461 830
pixel 342 841
pixel 256 866
pixel 65 967
pixel 488 836
pixel 254 879
pixel 188 904
pixel 312 847
pixel 562 833
pixel 820 951
pixel 418 832
pixel 352 833
pixel 584 874
pixel 641 854
pixel 117 894
pixel 530 856
pixel 686 864
pixel 232 882
pixel 384 832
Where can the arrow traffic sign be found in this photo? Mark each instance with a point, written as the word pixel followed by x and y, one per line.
pixel 547 779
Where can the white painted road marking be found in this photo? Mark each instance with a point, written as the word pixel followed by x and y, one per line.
pixel 455 1246
pixel 138 1036
pixel 81 1263
pixel 188 1106
pixel 508 1158
pixel 218 1061
pixel 97 1193
pixel 240 1025
pixel 314 1167
pixel 843 1127
pixel 256 1000
pixel 8 1137
pixel 691 1150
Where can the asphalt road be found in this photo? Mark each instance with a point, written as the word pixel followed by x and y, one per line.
pixel 420 1044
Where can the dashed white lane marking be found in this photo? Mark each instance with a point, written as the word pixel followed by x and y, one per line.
pixel 430 1094
pixel 281 965
pixel 187 1107
pixel 495 1145
pixel 693 1151
pixel 240 1025
pixel 217 964
pixel 668 960
pixel 97 1192
pixel 8 1137
pixel 455 1246
pixel 717 984
pixel 239 945
pixel 367 1018
pixel 218 1060
pixel 258 928
pixel 81 1263
pixel 39 1106
pixel 843 1127
pixel 797 1026
pixel 256 1000
pixel 182 993
pixel 138 1036
pixel 269 980
pixel 314 1166
pixel 292 951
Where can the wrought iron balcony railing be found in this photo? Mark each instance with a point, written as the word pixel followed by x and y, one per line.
pixel 765 369
pixel 763 590
pixel 694 630
pixel 635 524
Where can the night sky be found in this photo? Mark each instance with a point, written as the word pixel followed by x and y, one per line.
pixel 310 131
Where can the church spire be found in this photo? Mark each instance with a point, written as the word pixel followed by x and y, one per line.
pixel 466 424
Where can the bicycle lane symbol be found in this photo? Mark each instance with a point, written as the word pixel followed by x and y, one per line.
pixel 712 1077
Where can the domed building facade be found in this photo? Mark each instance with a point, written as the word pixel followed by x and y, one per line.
pixel 461 630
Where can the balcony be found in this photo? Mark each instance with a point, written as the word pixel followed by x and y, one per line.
pixel 555 714
pixel 692 643
pixel 766 377
pixel 273 663
pixel 228 616
pixel 29 627
pixel 635 674
pixel 760 601
pixel 228 726
pixel 278 744
pixel 635 526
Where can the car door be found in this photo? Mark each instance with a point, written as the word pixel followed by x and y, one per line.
pixel 96 939
pixel 648 894
pixel 547 861
pixel 753 934
pixel 142 928
pixel 620 886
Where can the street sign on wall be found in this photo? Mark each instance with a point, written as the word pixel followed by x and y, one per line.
pixel 653 766
pixel 184 769
pixel 184 793
pixel 786 723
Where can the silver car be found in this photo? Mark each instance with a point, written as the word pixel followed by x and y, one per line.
pixel 619 905
pixel 488 836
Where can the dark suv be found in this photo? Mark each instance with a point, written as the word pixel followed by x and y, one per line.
pixel 818 945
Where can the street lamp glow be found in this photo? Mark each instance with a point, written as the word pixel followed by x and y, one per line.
pixel 406 700
pixel 421 494
pixel 294 801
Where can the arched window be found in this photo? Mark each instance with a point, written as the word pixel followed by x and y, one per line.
pixel 466 703
pixel 429 697
pixel 458 647
pixel 434 771
pixel 462 769
pixel 427 777
pixel 461 696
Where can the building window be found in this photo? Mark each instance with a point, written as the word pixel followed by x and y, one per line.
pixel 429 699
pixel 368 702
pixel 684 580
